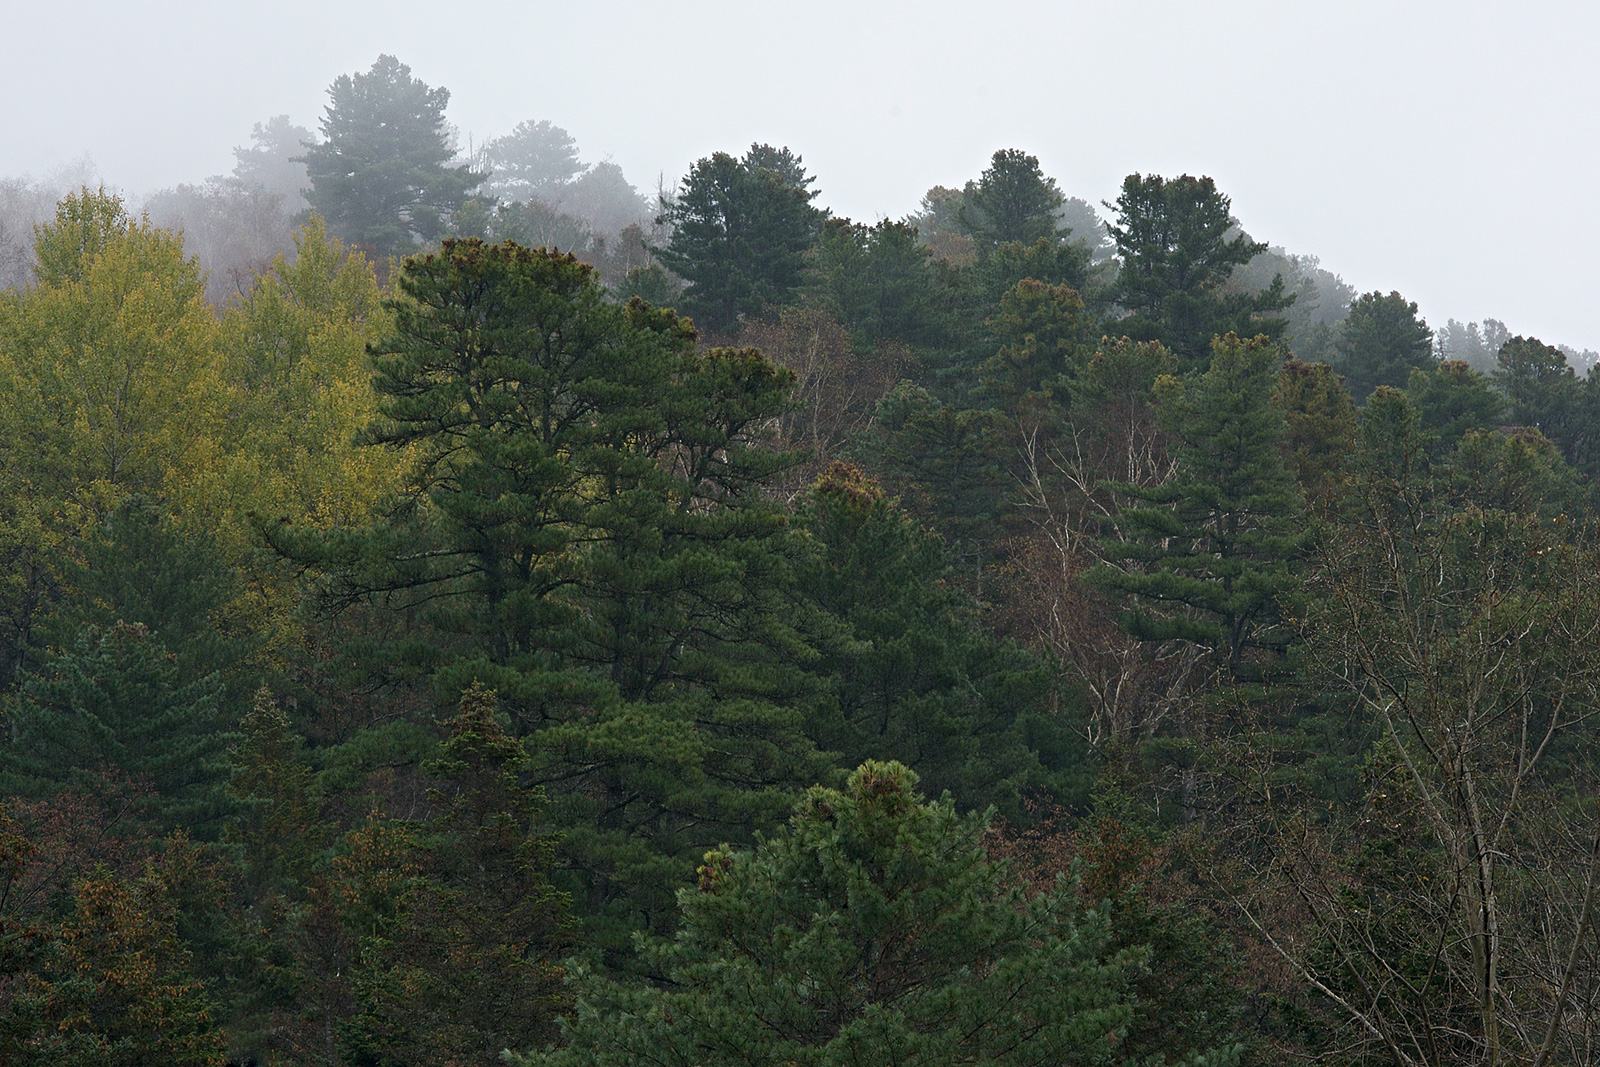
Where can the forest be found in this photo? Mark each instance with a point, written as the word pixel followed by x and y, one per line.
pixel 456 610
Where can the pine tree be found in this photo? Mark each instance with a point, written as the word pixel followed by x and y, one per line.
pixel 1319 425
pixel 1173 239
pixel 1452 400
pixel 1382 341
pixel 587 533
pixel 466 965
pixel 1206 555
pixel 1046 335
pixel 381 176
pixel 913 675
pixel 1539 385
pixel 139 568
pixel 1012 202
pixel 873 931
pixel 740 230
pixel 878 280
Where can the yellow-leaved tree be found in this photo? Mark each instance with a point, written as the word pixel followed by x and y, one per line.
pixel 300 389
pixel 113 377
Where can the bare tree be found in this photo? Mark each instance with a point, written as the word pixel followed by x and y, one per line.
pixel 1452 920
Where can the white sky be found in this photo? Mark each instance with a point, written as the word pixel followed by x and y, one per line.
pixel 1446 150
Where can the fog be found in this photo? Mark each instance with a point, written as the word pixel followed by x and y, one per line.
pixel 1443 150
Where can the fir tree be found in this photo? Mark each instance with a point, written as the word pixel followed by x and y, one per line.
pixel 115 701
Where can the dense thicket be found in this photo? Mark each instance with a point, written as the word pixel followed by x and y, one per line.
pixel 542 649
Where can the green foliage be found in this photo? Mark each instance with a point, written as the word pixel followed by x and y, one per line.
pixel 1172 238
pixel 535 224
pixel 1190 997
pixel 878 281
pixel 1538 384
pixel 111 361
pixel 1012 202
pixel 1319 424
pixel 111 377
pixel 115 700
pixel 271 785
pixel 464 964
pixel 1045 337
pixel 874 930
pixel 1382 342
pixel 533 160
pixel 84 225
pixel 941 460
pixel 972 300
pixel 381 176
pixel 1207 554
pixel 138 568
pixel 1453 400
pixel 913 675
pixel 740 231
pixel 586 532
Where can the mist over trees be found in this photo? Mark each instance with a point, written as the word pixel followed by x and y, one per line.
pixel 457 609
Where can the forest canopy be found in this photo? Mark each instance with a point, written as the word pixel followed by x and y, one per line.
pixel 456 610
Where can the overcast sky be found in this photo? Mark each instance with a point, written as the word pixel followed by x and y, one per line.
pixel 1446 150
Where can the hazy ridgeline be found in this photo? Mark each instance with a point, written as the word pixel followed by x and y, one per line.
pixel 457 609
pixel 534 187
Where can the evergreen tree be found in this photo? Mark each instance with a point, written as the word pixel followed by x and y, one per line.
pixel 873 931
pixel 588 534
pixel 972 298
pixel 114 700
pixel 1319 425
pixel 1177 256
pixel 381 176
pixel 943 462
pixel 913 675
pixel 1453 400
pixel 1382 342
pixel 789 167
pixel 1206 554
pixel 879 282
pixel 1012 202
pixel 465 966
pixel 740 230
pixel 1046 335
pixel 534 160
pixel 271 163
pixel 138 568
pixel 1539 386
